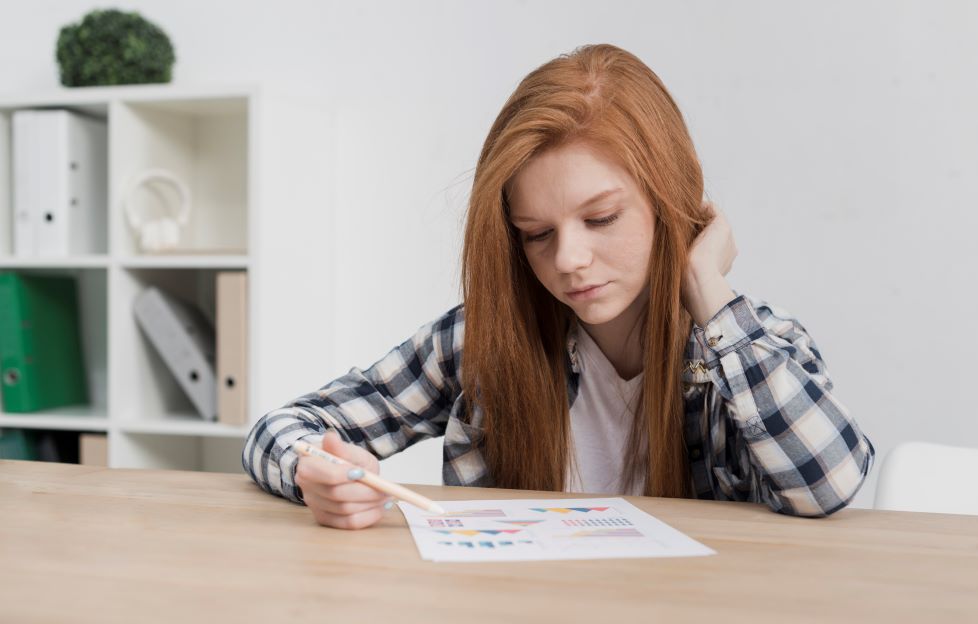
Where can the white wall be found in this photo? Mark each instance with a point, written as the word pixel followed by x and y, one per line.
pixel 839 137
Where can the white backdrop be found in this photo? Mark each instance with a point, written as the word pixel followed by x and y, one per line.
pixel 839 137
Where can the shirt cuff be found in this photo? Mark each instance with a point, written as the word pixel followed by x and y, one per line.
pixel 289 462
pixel 733 327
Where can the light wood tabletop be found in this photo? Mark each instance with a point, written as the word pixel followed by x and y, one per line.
pixel 88 544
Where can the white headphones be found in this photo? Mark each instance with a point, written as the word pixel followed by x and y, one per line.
pixel 159 233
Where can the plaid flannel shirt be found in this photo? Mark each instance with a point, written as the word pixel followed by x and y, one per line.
pixel 761 423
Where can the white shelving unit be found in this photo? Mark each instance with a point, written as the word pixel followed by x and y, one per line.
pixel 259 167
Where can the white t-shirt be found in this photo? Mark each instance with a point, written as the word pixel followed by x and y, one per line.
pixel 601 418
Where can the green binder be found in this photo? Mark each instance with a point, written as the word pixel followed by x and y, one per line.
pixel 40 344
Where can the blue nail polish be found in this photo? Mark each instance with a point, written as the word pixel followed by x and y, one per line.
pixel 355 473
pixel 388 504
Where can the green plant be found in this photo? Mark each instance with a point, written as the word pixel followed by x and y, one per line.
pixel 110 47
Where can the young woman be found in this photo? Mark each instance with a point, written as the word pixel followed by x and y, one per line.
pixel 599 347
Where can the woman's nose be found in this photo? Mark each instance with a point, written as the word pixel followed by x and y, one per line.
pixel 573 252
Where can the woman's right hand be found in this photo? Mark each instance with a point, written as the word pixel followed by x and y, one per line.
pixel 335 499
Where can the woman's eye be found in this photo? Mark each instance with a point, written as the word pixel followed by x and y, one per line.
pixel 531 238
pixel 605 220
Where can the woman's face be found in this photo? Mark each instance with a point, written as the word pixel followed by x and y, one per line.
pixel 586 230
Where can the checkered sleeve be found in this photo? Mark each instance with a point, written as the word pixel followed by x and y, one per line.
pixel 796 447
pixel 402 399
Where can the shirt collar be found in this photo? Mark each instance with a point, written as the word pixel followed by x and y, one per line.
pixel 693 355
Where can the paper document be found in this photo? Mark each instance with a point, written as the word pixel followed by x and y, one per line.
pixel 542 529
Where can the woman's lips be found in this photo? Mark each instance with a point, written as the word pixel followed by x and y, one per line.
pixel 588 293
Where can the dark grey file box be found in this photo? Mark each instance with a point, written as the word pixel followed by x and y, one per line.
pixel 185 341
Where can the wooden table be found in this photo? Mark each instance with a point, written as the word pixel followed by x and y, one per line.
pixel 87 544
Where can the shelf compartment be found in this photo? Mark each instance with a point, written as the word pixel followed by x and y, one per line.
pixel 203 141
pixel 96 111
pixel 91 286
pixel 145 390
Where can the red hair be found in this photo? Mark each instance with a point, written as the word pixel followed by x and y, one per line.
pixel 514 361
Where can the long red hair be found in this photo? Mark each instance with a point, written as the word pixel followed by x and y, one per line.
pixel 514 360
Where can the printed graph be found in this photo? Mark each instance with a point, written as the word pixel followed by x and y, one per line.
pixel 600 522
pixel 447 522
pixel 623 532
pixel 473 532
pixel 464 544
pixel 544 529
pixel 567 510
pixel 474 513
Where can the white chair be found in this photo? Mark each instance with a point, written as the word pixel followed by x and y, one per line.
pixel 936 478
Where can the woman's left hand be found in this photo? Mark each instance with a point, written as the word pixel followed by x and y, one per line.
pixel 705 290
pixel 714 249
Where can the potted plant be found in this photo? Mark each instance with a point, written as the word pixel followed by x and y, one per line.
pixel 110 47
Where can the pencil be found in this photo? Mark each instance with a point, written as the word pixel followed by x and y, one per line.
pixel 374 481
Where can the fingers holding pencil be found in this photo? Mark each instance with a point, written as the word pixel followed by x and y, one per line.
pixel 333 474
pixel 333 491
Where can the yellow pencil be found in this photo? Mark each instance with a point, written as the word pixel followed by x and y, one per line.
pixel 374 481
